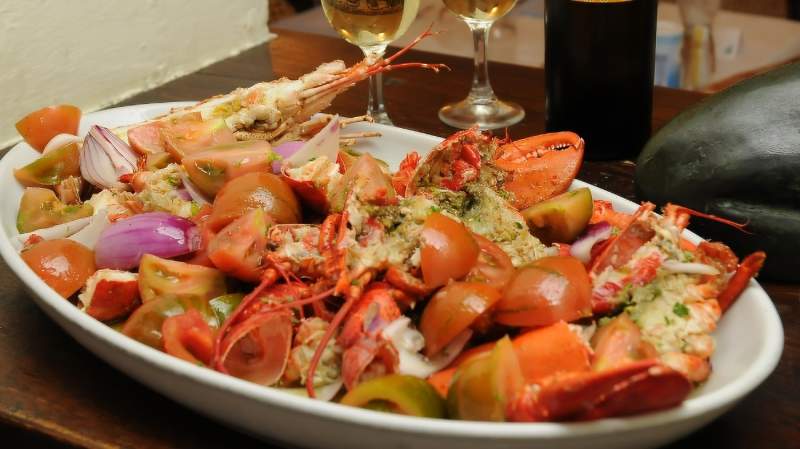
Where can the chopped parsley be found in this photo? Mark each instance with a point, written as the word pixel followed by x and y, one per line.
pixel 680 309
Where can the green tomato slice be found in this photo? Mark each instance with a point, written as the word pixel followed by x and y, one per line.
pixel 52 168
pixel 40 208
pixel 482 387
pixel 561 218
pixel 397 393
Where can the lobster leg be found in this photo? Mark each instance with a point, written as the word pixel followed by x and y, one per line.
pixel 747 270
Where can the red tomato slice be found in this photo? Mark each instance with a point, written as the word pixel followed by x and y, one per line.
pixel 493 267
pixel 63 264
pixel 187 336
pixel 546 291
pixel 38 127
pixel 191 134
pixel 448 250
pixel 549 350
pixel 251 191
pixel 146 139
pixel 238 249
pixel 258 349
pixel 452 310
pixel 541 353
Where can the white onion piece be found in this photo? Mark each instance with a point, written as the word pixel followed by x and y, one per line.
pixel 582 248
pixel 689 267
pixel 58 231
pixel 89 235
pixel 60 141
pixel 194 192
pixel 105 157
pixel 409 342
pixel 322 393
pixel 324 143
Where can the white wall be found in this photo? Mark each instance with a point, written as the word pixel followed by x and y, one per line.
pixel 93 53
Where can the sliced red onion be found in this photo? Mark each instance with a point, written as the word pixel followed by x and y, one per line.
pixel 105 157
pixel 324 143
pixel 582 248
pixel 408 342
pixel 123 243
pixel 689 267
pixel 90 235
pixel 60 141
pixel 285 150
pixel 192 190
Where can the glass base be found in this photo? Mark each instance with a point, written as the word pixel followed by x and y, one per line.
pixel 382 118
pixel 492 115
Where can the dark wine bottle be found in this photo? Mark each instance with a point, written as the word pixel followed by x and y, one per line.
pixel 599 62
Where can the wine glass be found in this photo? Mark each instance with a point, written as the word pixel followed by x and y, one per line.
pixel 371 25
pixel 481 107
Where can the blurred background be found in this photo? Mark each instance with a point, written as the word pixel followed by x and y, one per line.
pixel 744 37
pixel 95 53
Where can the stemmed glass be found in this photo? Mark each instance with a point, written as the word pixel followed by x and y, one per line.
pixel 371 25
pixel 481 107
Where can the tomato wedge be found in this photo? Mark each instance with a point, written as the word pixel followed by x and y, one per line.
pixel 190 134
pixel 40 208
pixel 188 337
pixel 541 353
pixel 211 168
pixel 619 342
pixel 258 349
pixel 403 394
pixel 192 285
pixel 63 264
pixel 546 291
pixel 251 191
pixel 452 310
pixel 38 127
pixel 449 250
pixel 238 250
pixel 146 139
pixel 51 168
pixel 483 386
pixel 146 323
pixel 494 267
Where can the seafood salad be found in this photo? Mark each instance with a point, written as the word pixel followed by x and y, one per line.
pixel 246 234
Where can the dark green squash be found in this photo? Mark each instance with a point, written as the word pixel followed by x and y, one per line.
pixel 736 154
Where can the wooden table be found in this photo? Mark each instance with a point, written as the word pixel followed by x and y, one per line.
pixel 54 393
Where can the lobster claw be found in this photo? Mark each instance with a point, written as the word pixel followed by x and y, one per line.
pixel 540 167
pixel 633 388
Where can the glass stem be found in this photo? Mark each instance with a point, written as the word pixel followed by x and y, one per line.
pixel 375 106
pixel 481 92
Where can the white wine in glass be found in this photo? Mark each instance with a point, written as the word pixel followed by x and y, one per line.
pixel 371 25
pixel 481 107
